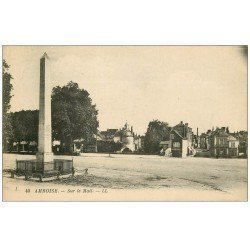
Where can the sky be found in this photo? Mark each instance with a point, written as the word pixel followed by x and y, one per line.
pixel 203 86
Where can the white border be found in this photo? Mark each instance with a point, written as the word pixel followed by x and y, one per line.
pixel 124 225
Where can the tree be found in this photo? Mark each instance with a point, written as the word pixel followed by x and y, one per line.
pixel 108 146
pixel 157 131
pixel 7 87
pixel 25 125
pixel 73 115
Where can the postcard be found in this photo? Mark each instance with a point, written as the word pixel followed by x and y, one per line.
pixel 125 123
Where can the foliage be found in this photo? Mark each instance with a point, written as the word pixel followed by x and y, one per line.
pixel 25 124
pixel 73 115
pixel 157 131
pixel 7 88
pixel 108 146
pixel 243 141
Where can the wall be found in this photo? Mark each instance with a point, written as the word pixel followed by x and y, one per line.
pixel 184 148
pixel 128 142
pixel 176 152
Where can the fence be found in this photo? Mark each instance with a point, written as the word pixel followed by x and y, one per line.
pixel 33 168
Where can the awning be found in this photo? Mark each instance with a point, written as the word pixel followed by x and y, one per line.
pixel 56 143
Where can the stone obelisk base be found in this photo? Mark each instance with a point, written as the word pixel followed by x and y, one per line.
pixel 44 157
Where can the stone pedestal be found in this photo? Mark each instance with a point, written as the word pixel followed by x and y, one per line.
pixel 44 157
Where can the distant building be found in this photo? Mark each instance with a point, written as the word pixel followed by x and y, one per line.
pixel 205 140
pixel 129 140
pixel 166 147
pixel 203 144
pixel 181 137
pixel 223 144
pixel 108 135
pixel 196 139
pixel 138 142
pixel 242 136
pixel 180 141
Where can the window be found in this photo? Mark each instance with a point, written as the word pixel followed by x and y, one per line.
pixel 232 144
pixel 176 145
pixel 171 136
pixel 222 142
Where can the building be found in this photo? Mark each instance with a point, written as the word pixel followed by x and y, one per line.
pixel 138 142
pixel 127 138
pixel 223 144
pixel 196 139
pixel 242 136
pixel 205 143
pixel 108 135
pixel 181 137
pixel 180 141
pixel 130 142
pixel 166 147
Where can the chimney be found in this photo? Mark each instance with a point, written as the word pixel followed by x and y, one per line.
pixel 185 129
pixel 197 132
pixel 181 122
pixel 132 129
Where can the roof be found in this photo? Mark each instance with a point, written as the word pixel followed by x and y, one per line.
pixel 167 137
pixel 203 135
pixel 173 130
pixel 110 133
pixel 112 130
pixel 231 138
pixel 124 132
pixel 127 133
pixel 118 133
pixel 221 133
pixel 180 124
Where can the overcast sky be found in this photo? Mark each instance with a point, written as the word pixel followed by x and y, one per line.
pixel 204 86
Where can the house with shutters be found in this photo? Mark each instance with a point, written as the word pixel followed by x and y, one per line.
pixel 223 144
pixel 181 137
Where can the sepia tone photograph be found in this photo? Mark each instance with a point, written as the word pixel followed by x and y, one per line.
pixel 124 123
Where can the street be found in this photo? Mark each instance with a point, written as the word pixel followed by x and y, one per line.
pixel 135 173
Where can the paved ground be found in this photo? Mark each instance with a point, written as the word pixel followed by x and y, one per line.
pixel 204 177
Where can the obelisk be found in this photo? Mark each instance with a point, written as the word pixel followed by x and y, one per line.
pixel 44 153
